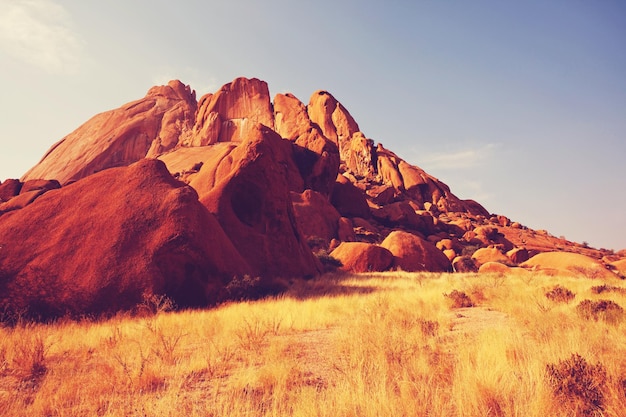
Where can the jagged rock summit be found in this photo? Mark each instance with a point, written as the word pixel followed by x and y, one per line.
pixel 270 188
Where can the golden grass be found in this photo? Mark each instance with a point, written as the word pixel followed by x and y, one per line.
pixel 368 345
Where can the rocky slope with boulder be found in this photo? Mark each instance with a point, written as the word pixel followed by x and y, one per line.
pixel 169 195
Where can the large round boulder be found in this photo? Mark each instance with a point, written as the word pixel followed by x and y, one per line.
pixel 566 263
pixel 108 241
pixel 490 254
pixel 412 253
pixel 362 257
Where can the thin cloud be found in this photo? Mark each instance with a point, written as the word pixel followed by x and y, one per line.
pixel 39 32
pixel 461 159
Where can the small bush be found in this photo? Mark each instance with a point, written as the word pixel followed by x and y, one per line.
pixel 560 294
pixel 153 304
pixel 247 287
pixel 459 299
pixel 599 289
pixel 577 385
pixel 329 263
pixel 605 310
pixel 428 327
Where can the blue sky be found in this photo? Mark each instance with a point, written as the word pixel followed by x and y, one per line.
pixel 519 105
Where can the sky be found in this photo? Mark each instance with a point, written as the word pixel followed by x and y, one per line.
pixel 518 105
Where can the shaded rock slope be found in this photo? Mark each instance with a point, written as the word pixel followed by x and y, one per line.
pixel 178 196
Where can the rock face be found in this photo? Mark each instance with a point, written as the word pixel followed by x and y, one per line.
pixel 73 251
pixel 229 114
pixel 120 137
pixel 247 187
pixel 315 216
pixel 362 257
pixel 317 157
pixel 412 253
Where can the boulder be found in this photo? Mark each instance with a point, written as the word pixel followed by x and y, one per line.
pixel 489 254
pixel 146 127
pixel 566 263
pixel 499 268
pixel 381 194
pixel 362 257
pixel 450 254
pixel 401 214
pixel 518 255
pixel 620 266
pixel 39 185
pixel 349 200
pixel 74 252
pixel 412 253
pixel 345 230
pixel 247 187
pixel 464 264
pixel 9 189
pixel 315 216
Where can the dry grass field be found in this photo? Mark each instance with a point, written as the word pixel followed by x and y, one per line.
pixel 392 344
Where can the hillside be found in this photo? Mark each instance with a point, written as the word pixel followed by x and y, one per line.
pixel 184 197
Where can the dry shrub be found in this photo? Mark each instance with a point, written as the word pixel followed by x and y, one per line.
pixel 428 327
pixel 577 385
pixel 593 272
pixel 329 263
pixel 458 299
pixel 247 287
pixel 560 294
pixel 599 289
pixel 605 310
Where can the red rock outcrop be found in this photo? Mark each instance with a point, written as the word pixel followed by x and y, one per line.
pixel 316 156
pixel 103 243
pixel 232 112
pixel 9 189
pixel 247 187
pixel 244 154
pixel 145 127
pixel 401 215
pixel 362 257
pixel 412 253
pixel 349 200
pixel 315 216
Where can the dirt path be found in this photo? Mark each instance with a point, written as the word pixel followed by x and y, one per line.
pixel 314 350
pixel 473 320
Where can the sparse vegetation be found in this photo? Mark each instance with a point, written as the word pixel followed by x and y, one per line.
pixel 560 294
pixel 599 289
pixel 605 310
pixel 578 385
pixel 329 263
pixel 382 344
pixel 458 299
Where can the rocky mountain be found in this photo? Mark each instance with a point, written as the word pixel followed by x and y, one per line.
pixel 184 197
